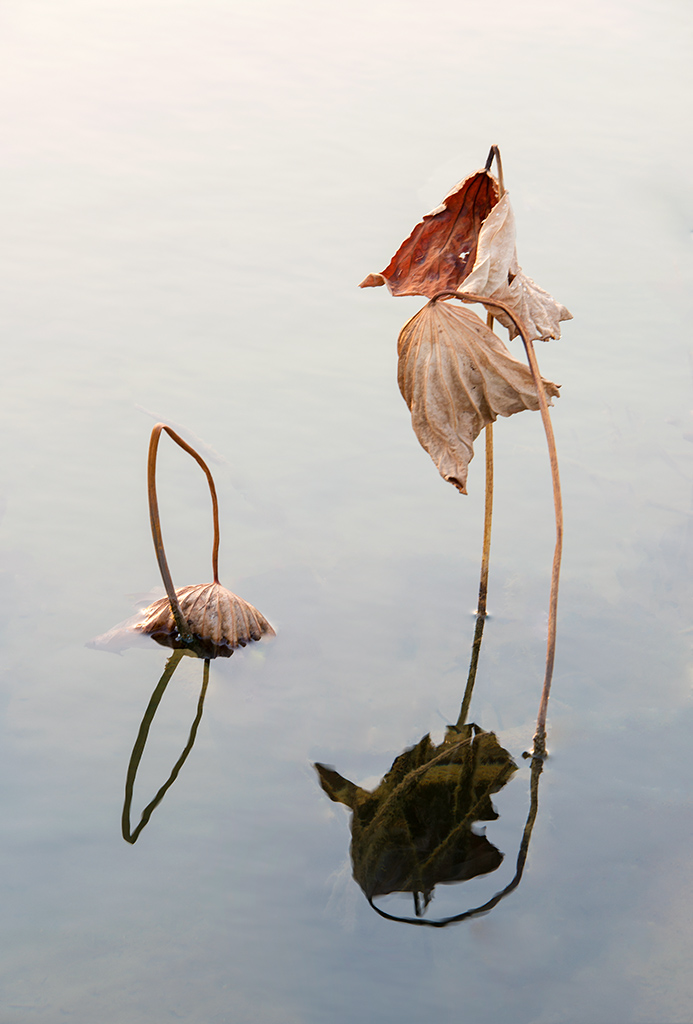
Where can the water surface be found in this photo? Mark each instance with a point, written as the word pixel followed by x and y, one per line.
pixel 190 196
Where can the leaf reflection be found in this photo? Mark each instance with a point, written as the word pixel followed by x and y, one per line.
pixel 131 836
pixel 415 830
pixel 536 770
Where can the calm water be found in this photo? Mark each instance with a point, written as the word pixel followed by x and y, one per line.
pixel 191 194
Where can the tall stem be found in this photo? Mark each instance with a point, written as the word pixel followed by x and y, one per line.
pixel 483 579
pixel 540 735
pixel 155 521
pixel 470 297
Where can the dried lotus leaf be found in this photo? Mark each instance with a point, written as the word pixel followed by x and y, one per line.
pixel 457 376
pixel 218 620
pixel 497 274
pixel 442 247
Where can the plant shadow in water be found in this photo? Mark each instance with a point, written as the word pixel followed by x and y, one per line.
pixel 416 829
pixel 131 835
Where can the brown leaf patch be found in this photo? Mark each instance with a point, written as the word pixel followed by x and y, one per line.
pixel 441 249
pixel 497 274
pixel 219 620
pixel 457 376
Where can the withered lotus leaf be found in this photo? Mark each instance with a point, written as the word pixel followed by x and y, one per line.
pixel 219 621
pixel 457 376
pixel 497 274
pixel 442 247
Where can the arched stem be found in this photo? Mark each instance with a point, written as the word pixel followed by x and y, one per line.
pixel 492 304
pixel 155 521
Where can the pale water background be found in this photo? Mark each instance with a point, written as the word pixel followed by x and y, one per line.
pixel 190 195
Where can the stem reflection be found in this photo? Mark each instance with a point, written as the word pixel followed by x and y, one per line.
pixel 140 743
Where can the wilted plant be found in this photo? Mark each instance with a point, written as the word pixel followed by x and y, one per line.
pixel 207 618
pixel 454 373
pixel 204 621
pixel 470 239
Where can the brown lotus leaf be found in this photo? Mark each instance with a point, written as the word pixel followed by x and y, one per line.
pixel 441 249
pixel 497 274
pixel 457 376
pixel 218 620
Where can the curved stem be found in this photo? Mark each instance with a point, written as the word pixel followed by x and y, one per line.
pixel 155 521
pixel 470 297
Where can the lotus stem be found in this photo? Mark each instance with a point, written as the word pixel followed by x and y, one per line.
pixel 483 579
pixel 492 304
pixel 181 623
pixel 495 152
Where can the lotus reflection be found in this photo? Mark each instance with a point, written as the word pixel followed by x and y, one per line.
pixel 416 829
pixel 203 621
